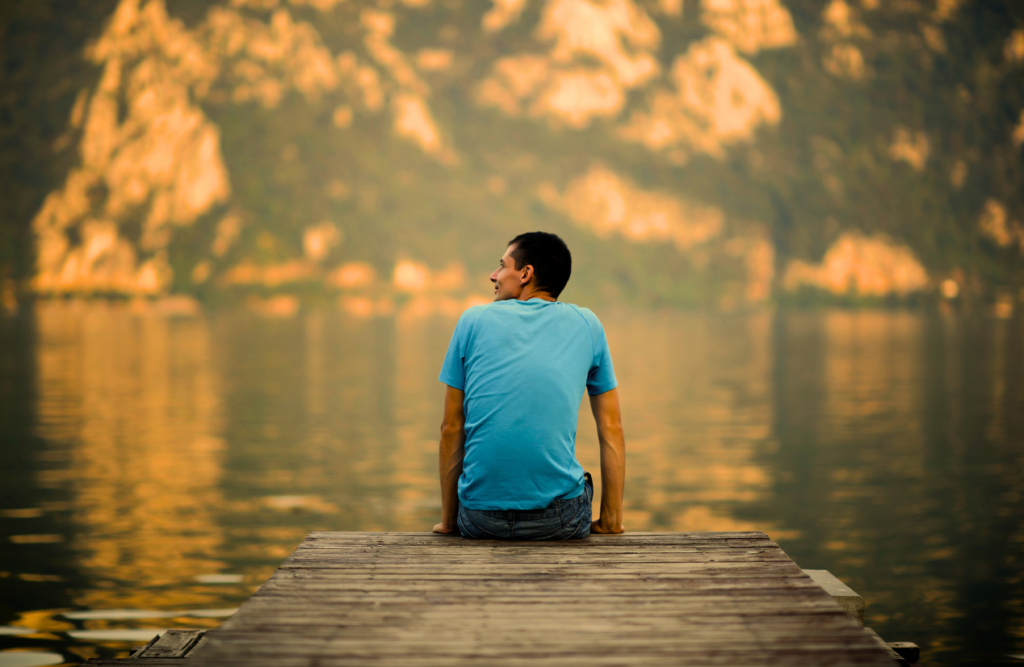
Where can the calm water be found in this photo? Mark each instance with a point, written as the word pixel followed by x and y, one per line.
pixel 154 471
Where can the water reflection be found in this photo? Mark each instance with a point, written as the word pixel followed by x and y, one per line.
pixel 889 460
pixel 129 405
pixel 697 403
pixel 161 467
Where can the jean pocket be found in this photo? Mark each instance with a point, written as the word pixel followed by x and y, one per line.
pixel 481 527
pixel 582 528
pixel 541 530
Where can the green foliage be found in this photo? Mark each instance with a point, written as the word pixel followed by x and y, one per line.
pixel 41 44
pixel 824 169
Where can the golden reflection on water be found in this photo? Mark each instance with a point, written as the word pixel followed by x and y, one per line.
pixel 873 370
pixel 194 452
pixel 131 404
pixel 873 365
pixel 696 400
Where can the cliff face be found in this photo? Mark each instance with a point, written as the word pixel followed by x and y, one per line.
pixel 701 153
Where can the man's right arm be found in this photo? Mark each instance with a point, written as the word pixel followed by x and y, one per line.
pixel 452 450
pixel 613 460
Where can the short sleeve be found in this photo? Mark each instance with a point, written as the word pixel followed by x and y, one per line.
pixel 453 371
pixel 601 377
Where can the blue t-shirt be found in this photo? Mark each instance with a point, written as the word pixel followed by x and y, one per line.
pixel 523 366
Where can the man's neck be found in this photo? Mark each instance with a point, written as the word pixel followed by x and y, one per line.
pixel 529 293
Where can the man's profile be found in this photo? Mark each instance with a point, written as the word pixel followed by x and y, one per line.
pixel 516 370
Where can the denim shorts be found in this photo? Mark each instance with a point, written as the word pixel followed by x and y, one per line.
pixel 561 520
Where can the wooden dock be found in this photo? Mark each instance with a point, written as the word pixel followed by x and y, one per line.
pixel 637 600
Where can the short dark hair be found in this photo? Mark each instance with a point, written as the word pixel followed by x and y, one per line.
pixel 552 263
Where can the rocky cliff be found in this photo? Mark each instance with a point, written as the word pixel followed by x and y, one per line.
pixel 719 153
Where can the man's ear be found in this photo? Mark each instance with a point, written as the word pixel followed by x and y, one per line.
pixel 527 274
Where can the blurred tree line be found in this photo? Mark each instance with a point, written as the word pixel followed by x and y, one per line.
pixel 827 167
pixel 41 45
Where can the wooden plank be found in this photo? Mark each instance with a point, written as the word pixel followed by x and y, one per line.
pixel 195 647
pixel 171 644
pixel 528 587
pixel 421 539
pixel 529 593
pixel 163 650
pixel 500 570
pixel 852 658
pixel 137 651
pixel 463 598
pixel 881 643
pixel 322 654
pixel 493 548
pixel 642 599
pixel 629 636
pixel 313 622
pixel 844 596
pixel 260 644
pixel 404 554
pixel 627 541
pixel 132 662
pixel 426 565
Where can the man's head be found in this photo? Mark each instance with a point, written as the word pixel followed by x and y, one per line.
pixel 535 263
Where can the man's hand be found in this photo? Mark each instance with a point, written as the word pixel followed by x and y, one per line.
pixel 600 528
pixel 445 530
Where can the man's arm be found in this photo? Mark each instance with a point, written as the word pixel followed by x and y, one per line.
pixel 613 461
pixel 452 450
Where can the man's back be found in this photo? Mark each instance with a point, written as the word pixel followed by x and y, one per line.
pixel 523 366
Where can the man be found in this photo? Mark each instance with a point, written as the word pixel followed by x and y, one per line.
pixel 515 371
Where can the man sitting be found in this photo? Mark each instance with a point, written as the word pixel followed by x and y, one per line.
pixel 515 371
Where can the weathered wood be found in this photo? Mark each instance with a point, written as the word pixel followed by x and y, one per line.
pixel 725 659
pixel 844 596
pixel 171 644
pixel 893 655
pixel 161 651
pixel 641 599
pixel 132 662
pixel 627 538
pixel 195 647
pixel 138 651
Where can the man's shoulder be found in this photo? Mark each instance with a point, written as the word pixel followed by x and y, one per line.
pixel 588 315
pixel 474 312
pixel 489 311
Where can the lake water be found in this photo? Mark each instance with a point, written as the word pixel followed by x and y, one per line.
pixel 155 470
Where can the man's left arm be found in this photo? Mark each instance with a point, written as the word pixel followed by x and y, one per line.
pixel 451 452
pixel 608 417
